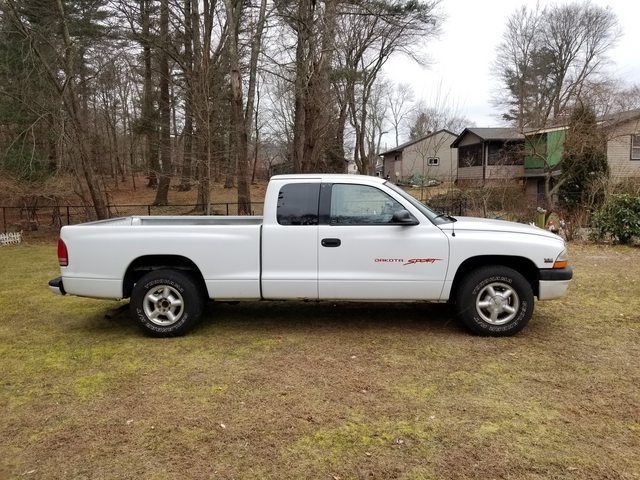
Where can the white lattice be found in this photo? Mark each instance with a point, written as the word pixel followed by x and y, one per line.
pixel 12 238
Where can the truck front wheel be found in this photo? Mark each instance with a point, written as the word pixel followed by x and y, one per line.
pixel 495 301
pixel 166 303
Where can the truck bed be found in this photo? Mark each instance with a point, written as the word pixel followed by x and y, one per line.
pixel 171 221
pixel 197 220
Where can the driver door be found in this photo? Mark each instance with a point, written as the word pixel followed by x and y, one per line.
pixel 364 255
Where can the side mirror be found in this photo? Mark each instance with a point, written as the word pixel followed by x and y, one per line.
pixel 403 217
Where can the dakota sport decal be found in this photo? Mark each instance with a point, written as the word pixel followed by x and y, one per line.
pixel 411 261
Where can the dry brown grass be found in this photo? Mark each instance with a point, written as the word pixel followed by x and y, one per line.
pixel 304 390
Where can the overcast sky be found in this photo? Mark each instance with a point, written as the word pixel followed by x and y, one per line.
pixel 460 72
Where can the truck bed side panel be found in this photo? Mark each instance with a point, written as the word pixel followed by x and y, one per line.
pixel 227 255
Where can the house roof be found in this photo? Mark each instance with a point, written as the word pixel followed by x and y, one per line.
pixel 503 134
pixel 609 119
pixel 401 147
pixel 538 131
pixel 621 117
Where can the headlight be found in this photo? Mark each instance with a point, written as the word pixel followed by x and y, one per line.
pixel 562 261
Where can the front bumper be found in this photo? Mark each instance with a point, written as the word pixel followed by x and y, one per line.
pixel 56 286
pixel 554 282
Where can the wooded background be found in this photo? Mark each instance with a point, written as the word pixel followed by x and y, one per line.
pixel 189 92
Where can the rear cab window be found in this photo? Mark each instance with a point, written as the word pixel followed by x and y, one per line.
pixel 298 204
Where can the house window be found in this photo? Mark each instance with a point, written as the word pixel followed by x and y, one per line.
pixel 505 154
pixel 433 161
pixel 470 156
pixel 635 147
pixel 494 154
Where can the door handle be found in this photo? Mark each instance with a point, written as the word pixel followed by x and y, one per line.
pixel 330 242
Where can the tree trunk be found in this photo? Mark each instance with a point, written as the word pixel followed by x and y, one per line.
pixel 305 18
pixel 238 123
pixel 148 114
pixel 165 110
pixel 338 163
pixel 256 45
pixel 185 183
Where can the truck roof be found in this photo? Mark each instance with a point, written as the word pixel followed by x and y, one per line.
pixel 336 177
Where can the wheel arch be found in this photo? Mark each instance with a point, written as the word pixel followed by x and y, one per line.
pixel 522 265
pixel 145 264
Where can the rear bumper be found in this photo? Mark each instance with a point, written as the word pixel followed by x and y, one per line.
pixel 554 282
pixel 56 286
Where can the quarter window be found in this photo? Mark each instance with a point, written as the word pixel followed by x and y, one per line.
pixel 635 147
pixel 361 205
pixel 298 204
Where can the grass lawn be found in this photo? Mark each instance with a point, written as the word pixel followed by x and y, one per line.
pixel 320 391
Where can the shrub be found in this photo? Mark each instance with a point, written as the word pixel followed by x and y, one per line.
pixel 618 218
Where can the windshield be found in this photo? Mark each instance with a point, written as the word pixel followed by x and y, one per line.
pixel 435 217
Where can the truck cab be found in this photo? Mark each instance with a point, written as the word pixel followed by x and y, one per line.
pixel 348 238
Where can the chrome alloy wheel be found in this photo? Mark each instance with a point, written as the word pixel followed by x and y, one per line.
pixel 497 303
pixel 163 305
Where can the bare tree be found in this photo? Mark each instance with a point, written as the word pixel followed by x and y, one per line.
pixel 547 58
pixel 62 70
pixel 238 120
pixel 400 107
pixel 611 96
pixel 253 98
pixel 210 119
pixel 516 63
pixel 149 114
pixel 378 108
pixel 312 27
pixel 369 33
pixel 173 85
pixel 441 113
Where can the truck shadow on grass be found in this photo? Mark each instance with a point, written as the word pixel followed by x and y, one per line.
pixel 329 316
pixel 296 316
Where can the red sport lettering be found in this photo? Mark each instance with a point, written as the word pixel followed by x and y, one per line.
pixel 422 260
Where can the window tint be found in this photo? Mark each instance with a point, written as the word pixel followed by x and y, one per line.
pixel 298 204
pixel 361 204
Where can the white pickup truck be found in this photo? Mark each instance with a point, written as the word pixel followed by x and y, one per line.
pixel 322 237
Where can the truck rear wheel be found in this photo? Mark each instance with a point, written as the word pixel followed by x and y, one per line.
pixel 495 301
pixel 166 303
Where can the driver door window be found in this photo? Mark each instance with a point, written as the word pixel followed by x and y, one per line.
pixel 361 205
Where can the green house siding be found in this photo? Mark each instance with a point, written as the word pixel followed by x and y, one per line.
pixel 544 147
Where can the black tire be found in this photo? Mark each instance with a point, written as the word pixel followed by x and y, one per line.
pixel 166 303
pixel 494 301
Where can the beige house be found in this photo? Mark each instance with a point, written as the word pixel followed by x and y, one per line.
pixel 623 145
pixel 429 157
